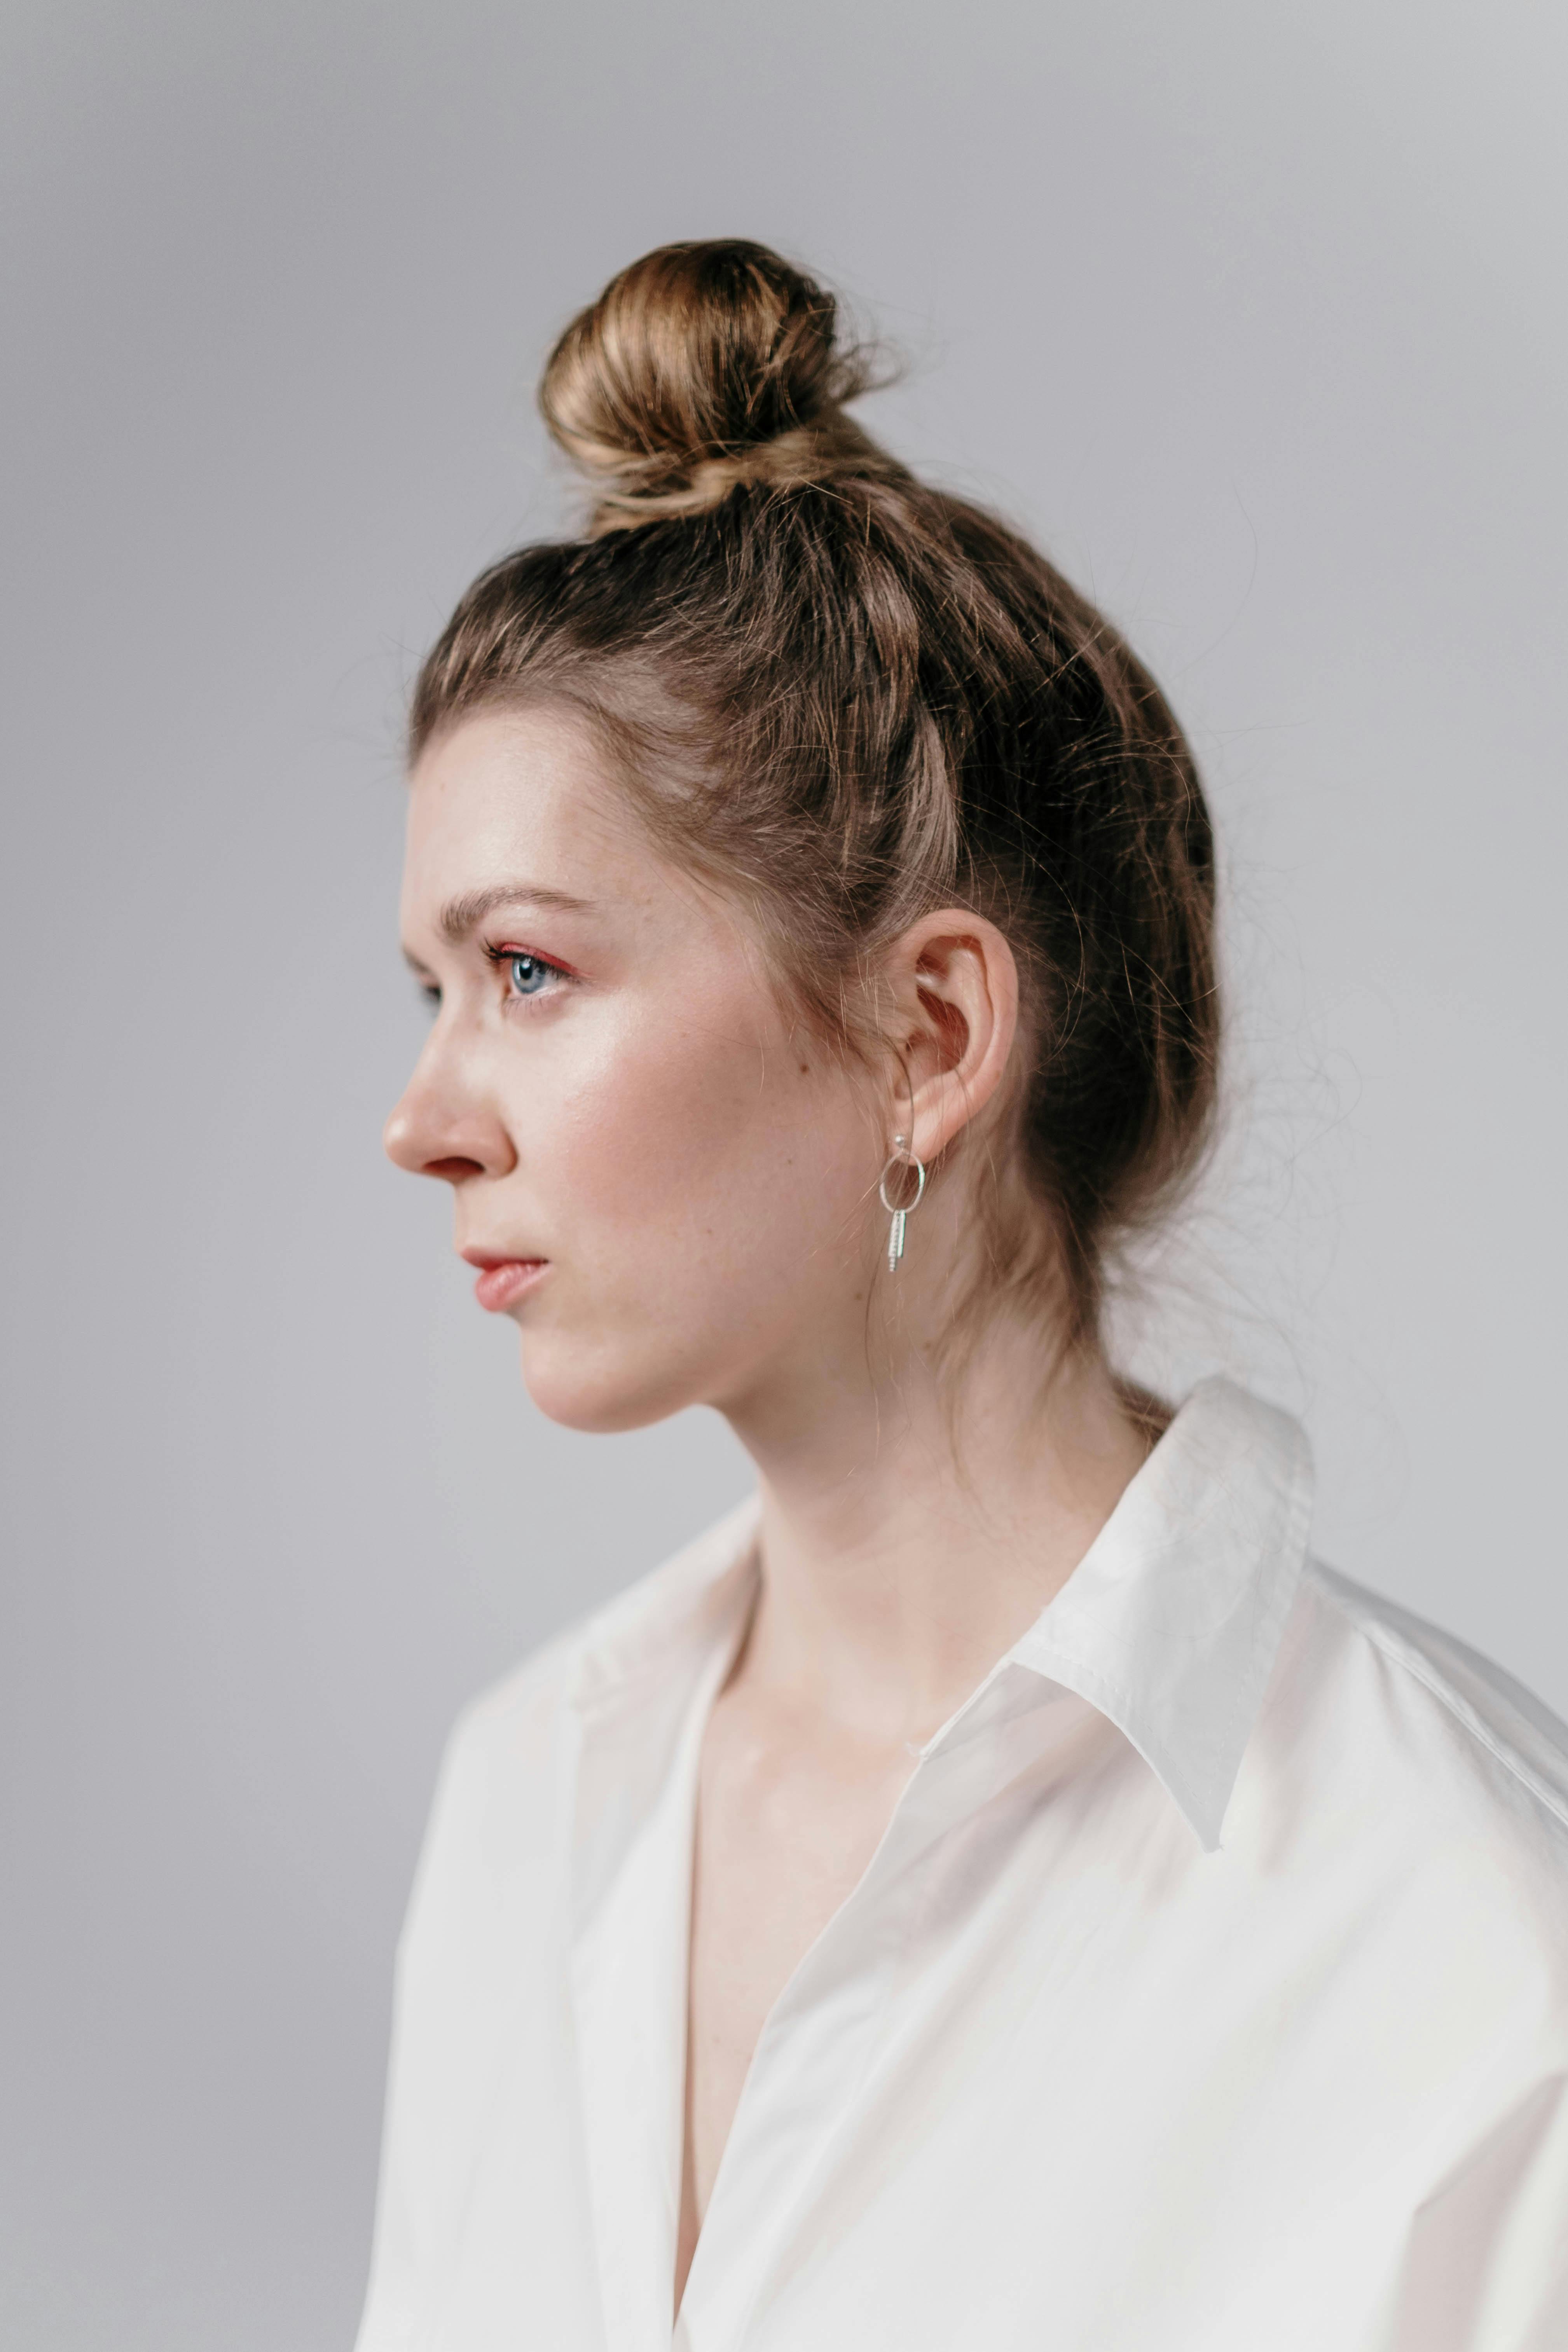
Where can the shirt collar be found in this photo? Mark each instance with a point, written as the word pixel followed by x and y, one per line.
pixel 1168 1625
pixel 1171 1622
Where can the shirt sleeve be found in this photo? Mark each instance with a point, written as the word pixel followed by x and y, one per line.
pixel 1487 2265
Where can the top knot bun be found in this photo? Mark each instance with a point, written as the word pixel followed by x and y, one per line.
pixel 699 368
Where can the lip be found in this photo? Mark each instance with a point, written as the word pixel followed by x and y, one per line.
pixel 503 1281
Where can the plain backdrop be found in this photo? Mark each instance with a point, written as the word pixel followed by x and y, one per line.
pixel 1255 314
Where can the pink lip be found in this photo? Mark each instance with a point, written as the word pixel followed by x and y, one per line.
pixel 503 1281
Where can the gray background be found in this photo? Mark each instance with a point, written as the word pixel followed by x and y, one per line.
pixel 1255 314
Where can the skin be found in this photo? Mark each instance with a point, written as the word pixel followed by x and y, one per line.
pixel 699 1177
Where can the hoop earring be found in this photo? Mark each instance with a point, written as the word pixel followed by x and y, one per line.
pixel 900 1156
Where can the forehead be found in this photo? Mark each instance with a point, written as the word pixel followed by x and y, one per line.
pixel 524 794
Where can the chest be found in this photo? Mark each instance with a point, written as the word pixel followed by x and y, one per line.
pixel 785 1827
pixel 1048 2075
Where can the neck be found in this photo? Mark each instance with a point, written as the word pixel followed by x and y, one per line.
pixel 913 1531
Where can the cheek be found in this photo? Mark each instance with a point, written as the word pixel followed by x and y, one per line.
pixel 677 1140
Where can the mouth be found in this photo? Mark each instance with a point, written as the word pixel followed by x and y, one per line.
pixel 503 1281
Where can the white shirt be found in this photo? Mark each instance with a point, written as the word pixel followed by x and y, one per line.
pixel 1207 1992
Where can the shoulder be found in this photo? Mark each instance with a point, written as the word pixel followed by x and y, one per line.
pixel 1391 1741
pixel 1497 1733
pixel 1405 1802
pixel 496 1816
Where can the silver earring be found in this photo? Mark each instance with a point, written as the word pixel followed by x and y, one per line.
pixel 900 1156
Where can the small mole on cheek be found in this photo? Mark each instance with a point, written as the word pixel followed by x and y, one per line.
pixel 805 1069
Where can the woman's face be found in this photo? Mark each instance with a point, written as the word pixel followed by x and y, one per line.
pixel 663 1182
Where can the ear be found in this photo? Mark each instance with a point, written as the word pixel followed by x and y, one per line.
pixel 953 983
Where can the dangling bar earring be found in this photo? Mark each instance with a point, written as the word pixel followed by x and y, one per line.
pixel 900 1156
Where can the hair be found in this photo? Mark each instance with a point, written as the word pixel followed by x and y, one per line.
pixel 852 698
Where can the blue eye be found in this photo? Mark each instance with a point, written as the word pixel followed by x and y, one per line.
pixel 527 973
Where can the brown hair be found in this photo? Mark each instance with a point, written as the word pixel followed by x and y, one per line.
pixel 853 698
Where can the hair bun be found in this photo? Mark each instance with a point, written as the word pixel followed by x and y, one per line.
pixel 699 368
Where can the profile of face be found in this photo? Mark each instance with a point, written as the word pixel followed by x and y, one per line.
pixel 664 1180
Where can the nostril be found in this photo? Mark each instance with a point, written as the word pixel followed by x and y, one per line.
pixel 454 1171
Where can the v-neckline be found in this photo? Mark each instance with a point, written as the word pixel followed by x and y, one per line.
pixel 631 1973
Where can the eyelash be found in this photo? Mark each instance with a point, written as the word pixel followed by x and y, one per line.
pixel 498 957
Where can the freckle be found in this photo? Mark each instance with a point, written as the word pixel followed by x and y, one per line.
pixel 805 1069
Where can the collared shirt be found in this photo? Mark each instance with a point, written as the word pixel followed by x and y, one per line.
pixel 1207 1991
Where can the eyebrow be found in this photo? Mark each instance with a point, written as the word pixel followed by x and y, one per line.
pixel 460 916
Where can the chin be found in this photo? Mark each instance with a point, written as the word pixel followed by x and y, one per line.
pixel 599 1390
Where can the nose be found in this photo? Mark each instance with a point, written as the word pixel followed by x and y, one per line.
pixel 447 1127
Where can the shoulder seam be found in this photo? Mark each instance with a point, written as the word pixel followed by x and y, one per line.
pixel 1392 1646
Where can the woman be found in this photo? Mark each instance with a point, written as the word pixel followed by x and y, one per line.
pixel 991 1891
